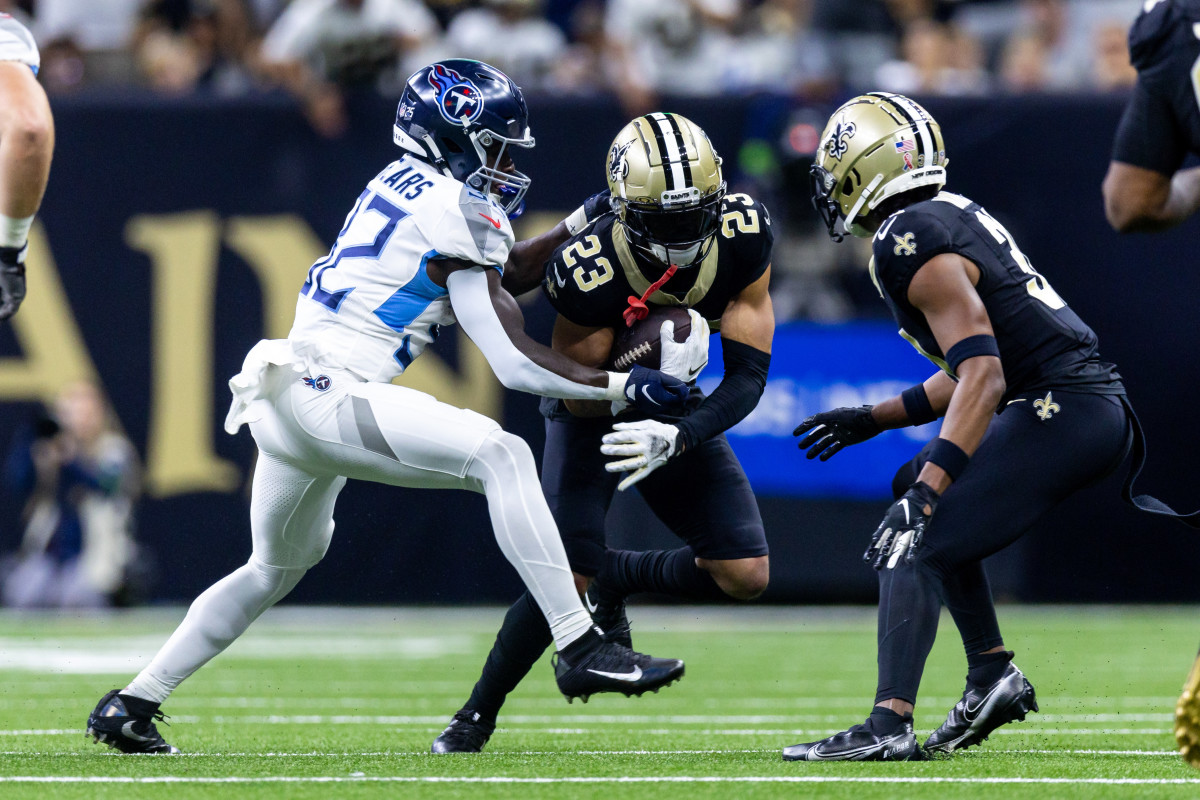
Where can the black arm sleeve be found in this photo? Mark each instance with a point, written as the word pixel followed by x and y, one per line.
pixel 735 396
pixel 1148 135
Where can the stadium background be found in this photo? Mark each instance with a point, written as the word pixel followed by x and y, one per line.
pixel 177 228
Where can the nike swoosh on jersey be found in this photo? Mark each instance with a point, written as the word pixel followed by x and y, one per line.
pixel 495 222
pixel 883 231
pixel 127 730
pixel 620 676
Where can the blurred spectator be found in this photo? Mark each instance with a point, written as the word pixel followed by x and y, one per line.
pixel 511 35
pixel 937 58
pixel 669 47
pixel 778 51
pixel 1025 63
pixel 80 478
pixel 1111 68
pixel 584 66
pixel 188 44
pixel 93 38
pixel 318 47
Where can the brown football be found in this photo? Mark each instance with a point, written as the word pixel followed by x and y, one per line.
pixel 639 344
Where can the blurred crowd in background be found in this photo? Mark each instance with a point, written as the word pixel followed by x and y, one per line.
pixel 639 49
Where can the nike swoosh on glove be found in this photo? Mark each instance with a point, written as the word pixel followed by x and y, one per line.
pixel 653 392
pixel 684 360
pixel 645 446
pixel 902 528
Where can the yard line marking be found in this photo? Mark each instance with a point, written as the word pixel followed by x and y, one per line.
pixel 614 779
pixel 606 719
pixel 503 753
pixel 41 732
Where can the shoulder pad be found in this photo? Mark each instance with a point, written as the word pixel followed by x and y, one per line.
pixel 17 44
pixel 583 283
pixel 903 244
pixel 476 230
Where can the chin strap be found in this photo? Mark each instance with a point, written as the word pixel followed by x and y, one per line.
pixel 637 305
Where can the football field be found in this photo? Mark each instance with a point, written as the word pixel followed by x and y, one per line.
pixel 318 702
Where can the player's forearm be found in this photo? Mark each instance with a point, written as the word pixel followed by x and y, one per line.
pixel 970 411
pixel 892 413
pixel 526 260
pixel 492 320
pixel 734 398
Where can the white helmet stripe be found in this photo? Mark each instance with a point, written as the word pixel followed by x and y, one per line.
pixel 674 148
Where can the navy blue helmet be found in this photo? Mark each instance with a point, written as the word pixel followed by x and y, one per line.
pixel 460 114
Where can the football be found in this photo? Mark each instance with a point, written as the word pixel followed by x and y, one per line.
pixel 639 344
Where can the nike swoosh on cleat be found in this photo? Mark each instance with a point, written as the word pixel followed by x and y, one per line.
pixel 971 714
pixel 495 222
pixel 127 730
pixel 620 676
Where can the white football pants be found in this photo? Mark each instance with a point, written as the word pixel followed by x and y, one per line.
pixel 309 442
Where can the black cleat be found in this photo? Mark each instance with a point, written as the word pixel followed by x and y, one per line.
pixel 127 724
pixel 593 665
pixel 609 617
pixel 467 733
pixel 982 710
pixel 860 744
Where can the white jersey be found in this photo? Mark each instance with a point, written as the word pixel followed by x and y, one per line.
pixel 370 307
pixel 16 43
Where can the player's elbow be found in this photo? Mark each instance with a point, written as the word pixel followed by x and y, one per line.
pixel 1128 206
pixel 985 375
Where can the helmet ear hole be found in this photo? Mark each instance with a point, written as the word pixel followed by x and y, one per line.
pixel 847 186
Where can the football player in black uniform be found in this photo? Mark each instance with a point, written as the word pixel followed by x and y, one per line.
pixel 1145 189
pixel 1031 415
pixel 671 237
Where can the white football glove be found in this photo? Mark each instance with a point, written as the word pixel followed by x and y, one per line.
pixel 646 443
pixel 685 359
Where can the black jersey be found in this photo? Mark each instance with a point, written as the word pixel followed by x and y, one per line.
pixel 590 278
pixel 1043 343
pixel 1161 123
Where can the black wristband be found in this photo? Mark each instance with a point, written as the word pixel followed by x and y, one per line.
pixel 979 345
pixel 949 456
pixel 917 405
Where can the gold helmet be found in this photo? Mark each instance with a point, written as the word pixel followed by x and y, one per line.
pixel 666 184
pixel 874 147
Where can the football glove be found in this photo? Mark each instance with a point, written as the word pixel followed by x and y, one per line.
pixel 653 392
pixel 830 431
pixel 903 527
pixel 646 445
pixel 12 279
pixel 685 359
pixel 592 209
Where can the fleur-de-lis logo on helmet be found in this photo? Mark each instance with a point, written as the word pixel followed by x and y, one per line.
pixel 1046 407
pixel 618 167
pixel 839 140
pixel 459 100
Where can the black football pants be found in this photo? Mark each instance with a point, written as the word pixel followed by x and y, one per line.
pixel 1027 463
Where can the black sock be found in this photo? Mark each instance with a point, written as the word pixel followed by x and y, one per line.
pixel 139 707
pixel 522 639
pixel 670 572
pixel 884 721
pixel 984 669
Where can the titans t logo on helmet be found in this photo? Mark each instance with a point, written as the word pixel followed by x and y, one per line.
pixel 459 100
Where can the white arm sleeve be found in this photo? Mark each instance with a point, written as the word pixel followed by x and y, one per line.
pixel 472 302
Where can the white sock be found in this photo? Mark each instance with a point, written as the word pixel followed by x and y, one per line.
pixel 526 532
pixel 14 231
pixel 217 617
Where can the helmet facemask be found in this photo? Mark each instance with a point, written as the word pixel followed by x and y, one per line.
pixel 507 188
pixel 679 230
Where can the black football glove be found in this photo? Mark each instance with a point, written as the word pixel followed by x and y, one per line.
pixel 653 392
pixel 902 528
pixel 830 431
pixel 12 279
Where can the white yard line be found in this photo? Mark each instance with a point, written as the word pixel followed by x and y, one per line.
pixel 601 780
pixel 504 753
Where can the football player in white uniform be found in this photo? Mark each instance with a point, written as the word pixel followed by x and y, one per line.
pixel 26 145
pixel 424 246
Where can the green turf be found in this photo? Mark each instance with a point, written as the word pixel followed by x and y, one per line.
pixel 356 696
